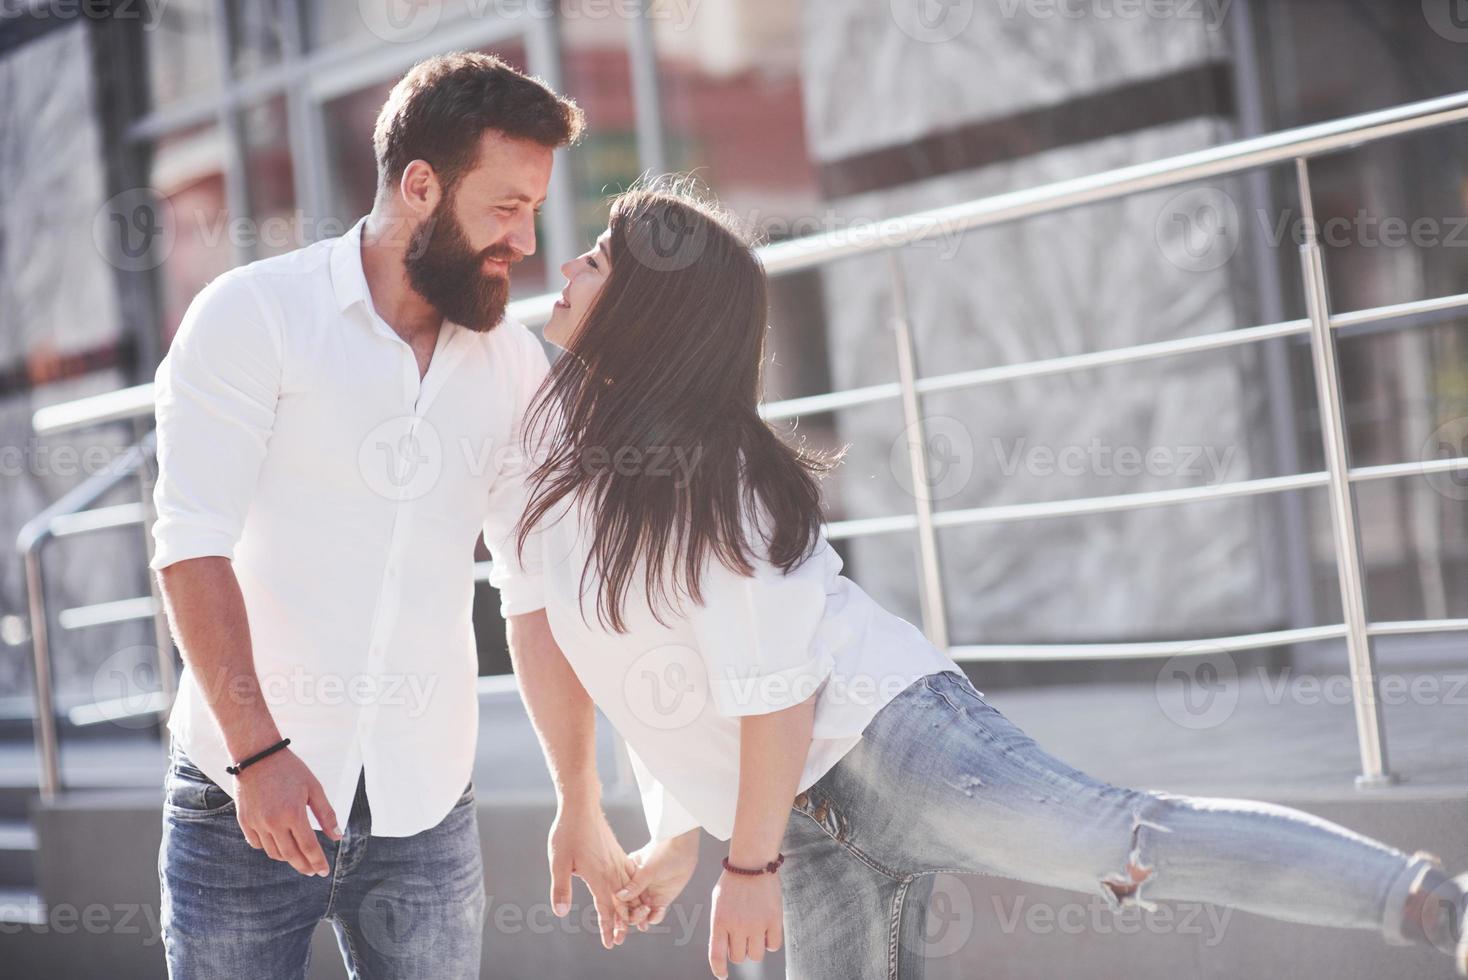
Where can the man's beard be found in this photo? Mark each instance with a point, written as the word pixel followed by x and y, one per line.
pixel 450 275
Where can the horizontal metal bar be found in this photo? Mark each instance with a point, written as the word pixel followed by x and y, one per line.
pixel 117 709
pixel 113 406
pixel 815 404
pixel 1203 647
pixel 102 613
pixel 1395 311
pixel 1386 471
pixel 1216 161
pixel 1140 650
pixel 98 519
pixel 1113 357
pixel 1411 627
pixel 1004 513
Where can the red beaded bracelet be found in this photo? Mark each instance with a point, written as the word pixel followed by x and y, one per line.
pixel 770 868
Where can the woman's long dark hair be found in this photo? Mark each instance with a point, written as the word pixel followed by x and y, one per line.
pixel 668 360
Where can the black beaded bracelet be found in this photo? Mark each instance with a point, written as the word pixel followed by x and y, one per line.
pixel 768 869
pixel 234 770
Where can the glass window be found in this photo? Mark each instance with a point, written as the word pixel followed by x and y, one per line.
pixel 256 32
pixel 270 175
pixel 188 176
pixel 182 62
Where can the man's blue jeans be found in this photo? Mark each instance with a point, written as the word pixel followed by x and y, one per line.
pixel 402 907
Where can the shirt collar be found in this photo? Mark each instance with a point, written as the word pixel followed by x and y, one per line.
pixel 348 280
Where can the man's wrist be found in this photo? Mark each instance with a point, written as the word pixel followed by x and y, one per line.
pixel 579 790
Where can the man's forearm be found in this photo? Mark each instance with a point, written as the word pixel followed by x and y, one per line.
pixel 561 711
pixel 207 612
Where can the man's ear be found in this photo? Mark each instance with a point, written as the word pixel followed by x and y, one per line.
pixel 420 188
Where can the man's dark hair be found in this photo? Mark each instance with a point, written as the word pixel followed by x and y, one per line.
pixel 439 110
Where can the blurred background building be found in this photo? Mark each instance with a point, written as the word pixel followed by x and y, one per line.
pixel 147 146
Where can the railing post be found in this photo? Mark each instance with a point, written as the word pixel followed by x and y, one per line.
pixel 935 619
pixel 1370 735
pixel 47 751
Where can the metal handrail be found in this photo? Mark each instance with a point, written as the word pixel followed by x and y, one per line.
pixel 31 542
pixel 1298 145
pixel 799 254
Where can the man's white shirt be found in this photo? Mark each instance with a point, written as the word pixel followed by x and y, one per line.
pixel 296 439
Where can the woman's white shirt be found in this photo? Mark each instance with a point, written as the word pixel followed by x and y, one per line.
pixel 676 690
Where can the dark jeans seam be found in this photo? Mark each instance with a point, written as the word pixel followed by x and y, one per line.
pixel 894 928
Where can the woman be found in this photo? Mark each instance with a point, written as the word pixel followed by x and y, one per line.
pixel 689 585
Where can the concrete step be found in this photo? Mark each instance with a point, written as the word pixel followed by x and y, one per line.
pixel 21 907
pixel 17 790
pixel 17 854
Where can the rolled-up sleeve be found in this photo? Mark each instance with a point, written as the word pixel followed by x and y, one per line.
pixel 759 635
pixel 666 817
pixel 517 575
pixel 215 393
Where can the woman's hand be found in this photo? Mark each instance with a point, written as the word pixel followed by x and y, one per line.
pixel 747 920
pixel 659 873
pixel 582 844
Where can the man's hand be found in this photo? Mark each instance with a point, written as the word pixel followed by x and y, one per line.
pixel 271 798
pixel 659 871
pixel 582 844
pixel 747 920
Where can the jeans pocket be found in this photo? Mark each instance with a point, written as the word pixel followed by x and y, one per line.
pixel 188 793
